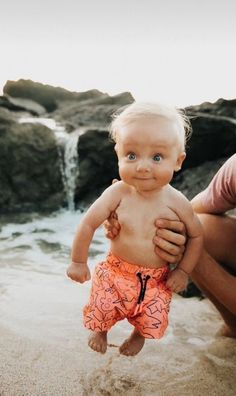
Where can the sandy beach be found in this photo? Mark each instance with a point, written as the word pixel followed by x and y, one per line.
pixel 48 355
pixel 44 345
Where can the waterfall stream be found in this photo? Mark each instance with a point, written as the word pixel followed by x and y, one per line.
pixel 68 154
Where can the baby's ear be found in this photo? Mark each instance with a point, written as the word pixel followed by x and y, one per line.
pixel 115 148
pixel 179 161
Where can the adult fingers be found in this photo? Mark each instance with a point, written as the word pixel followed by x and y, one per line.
pixel 173 225
pixel 109 235
pixel 167 246
pixel 107 225
pixel 111 222
pixel 113 216
pixel 170 236
pixel 170 258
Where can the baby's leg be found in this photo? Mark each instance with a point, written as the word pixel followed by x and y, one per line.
pixel 98 341
pixel 133 345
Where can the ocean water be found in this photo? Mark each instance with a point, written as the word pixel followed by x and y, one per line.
pixel 39 302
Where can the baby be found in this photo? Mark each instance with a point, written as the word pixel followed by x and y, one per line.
pixel 133 282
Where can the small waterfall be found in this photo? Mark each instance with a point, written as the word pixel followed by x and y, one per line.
pixel 68 154
pixel 71 169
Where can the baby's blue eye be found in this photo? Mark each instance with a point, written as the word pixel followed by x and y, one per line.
pixel 157 158
pixel 132 156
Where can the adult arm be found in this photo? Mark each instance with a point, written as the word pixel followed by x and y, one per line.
pixel 220 195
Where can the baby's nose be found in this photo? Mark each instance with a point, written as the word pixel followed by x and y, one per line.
pixel 143 166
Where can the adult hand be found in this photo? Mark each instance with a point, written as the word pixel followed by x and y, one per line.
pixel 170 240
pixel 112 226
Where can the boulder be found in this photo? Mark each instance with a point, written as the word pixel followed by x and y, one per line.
pixel 92 113
pixel 213 137
pixel 7 118
pixel 30 177
pixel 45 95
pixel 97 164
pixel 221 107
pixel 20 104
pixel 193 180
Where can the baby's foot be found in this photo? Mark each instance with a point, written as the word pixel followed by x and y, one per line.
pixel 133 344
pixel 98 341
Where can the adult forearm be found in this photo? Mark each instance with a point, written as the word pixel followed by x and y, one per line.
pixel 197 204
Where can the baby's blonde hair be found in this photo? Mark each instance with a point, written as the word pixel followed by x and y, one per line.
pixel 138 110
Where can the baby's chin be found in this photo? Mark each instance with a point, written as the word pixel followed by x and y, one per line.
pixel 147 186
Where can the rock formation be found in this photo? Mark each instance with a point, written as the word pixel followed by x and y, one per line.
pixel 30 176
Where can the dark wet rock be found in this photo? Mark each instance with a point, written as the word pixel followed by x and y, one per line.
pixel 20 104
pixel 222 107
pixel 7 118
pixel 97 163
pixel 191 181
pixel 94 112
pixel 213 137
pixel 30 177
pixel 35 183
pixel 46 95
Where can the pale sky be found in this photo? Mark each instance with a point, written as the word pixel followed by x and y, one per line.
pixel 181 52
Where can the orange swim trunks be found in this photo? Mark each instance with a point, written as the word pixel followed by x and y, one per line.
pixel 122 290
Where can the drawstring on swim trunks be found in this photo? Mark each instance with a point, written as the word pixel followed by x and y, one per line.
pixel 143 286
pixel 143 283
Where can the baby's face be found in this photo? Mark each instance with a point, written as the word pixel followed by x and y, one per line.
pixel 149 151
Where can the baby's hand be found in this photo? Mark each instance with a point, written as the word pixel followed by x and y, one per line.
pixel 78 272
pixel 177 280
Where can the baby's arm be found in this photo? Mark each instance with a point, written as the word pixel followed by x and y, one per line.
pixel 178 279
pixel 95 216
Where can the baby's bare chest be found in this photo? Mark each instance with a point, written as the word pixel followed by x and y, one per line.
pixel 138 216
